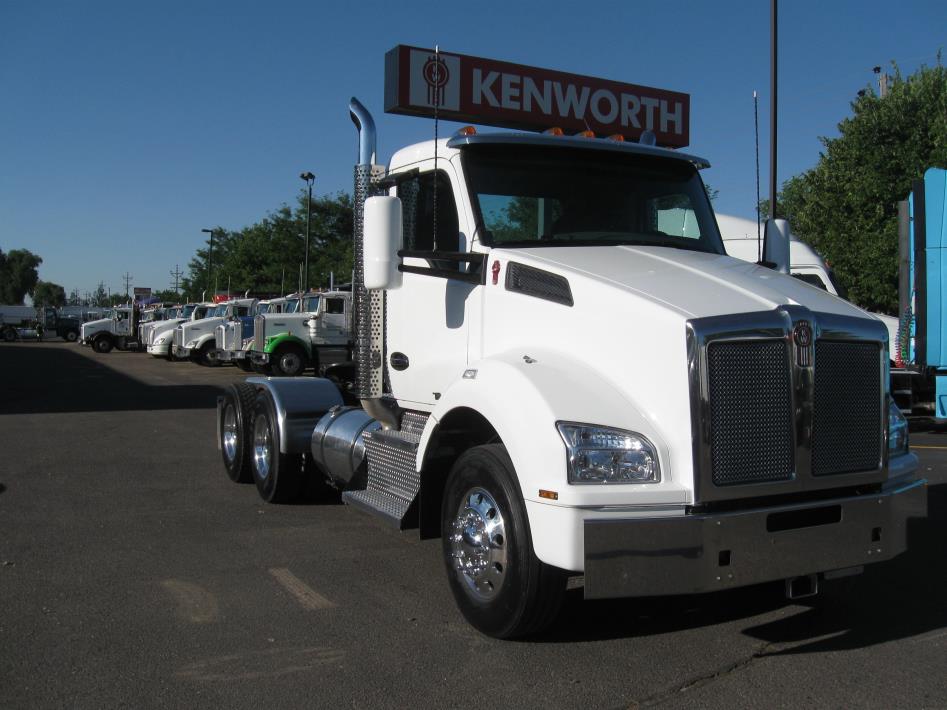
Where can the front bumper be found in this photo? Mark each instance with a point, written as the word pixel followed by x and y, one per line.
pixel 158 349
pixel 258 358
pixel 181 352
pixel 702 553
pixel 231 355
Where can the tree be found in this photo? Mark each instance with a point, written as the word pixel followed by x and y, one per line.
pixel 846 206
pixel 47 293
pixel 100 296
pixel 265 257
pixel 18 275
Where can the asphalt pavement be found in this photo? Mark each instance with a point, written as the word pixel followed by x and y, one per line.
pixel 133 573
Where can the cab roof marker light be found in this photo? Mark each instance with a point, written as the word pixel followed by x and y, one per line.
pixel 585 134
pixel 467 131
pixel 618 137
pixel 648 138
pixel 554 131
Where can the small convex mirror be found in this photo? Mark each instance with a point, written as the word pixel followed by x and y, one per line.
pixel 382 241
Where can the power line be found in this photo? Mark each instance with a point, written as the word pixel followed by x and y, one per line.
pixel 128 279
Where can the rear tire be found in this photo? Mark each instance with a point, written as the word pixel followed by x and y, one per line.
pixel 235 431
pixel 102 344
pixel 70 336
pixel 9 335
pixel 500 586
pixel 278 476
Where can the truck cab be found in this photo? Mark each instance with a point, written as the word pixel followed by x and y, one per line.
pixel 157 336
pixel 195 340
pixel 562 373
pixel 235 335
pixel 120 331
pixel 317 335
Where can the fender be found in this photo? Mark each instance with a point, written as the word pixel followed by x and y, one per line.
pixel 553 387
pixel 275 341
pixel 201 341
pixel 300 402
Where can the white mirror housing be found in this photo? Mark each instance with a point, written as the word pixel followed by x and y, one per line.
pixel 382 241
pixel 776 244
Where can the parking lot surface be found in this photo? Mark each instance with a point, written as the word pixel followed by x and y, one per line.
pixel 134 573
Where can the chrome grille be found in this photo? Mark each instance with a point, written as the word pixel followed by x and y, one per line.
pixel 846 415
pixel 786 401
pixel 220 336
pixel 258 328
pixel 178 336
pixel 750 412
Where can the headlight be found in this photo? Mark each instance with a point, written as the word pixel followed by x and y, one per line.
pixel 162 339
pixel 604 455
pixel 897 431
pixel 191 344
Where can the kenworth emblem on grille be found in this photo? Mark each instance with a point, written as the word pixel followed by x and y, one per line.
pixel 802 337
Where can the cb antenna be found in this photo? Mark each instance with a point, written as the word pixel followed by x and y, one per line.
pixel 437 102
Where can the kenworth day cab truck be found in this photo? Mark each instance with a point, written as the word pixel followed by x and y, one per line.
pixel 317 335
pixel 196 341
pixel 118 331
pixel 157 336
pixel 234 336
pixel 556 387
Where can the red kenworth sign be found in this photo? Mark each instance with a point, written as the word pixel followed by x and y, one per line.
pixel 485 91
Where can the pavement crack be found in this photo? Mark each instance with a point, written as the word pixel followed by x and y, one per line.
pixel 704 679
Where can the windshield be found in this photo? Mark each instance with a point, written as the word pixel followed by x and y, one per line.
pixel 188 310
pixel 292 305
pixel 530 196
pixel 201 312
pixel 312 304
pixel 220 311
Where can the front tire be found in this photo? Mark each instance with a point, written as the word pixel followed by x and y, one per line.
pixel 289 361
pixel 500 586
pixel 236 432
pixel 278 476
pixel 244 364
pixel 102 344
pixel 207 355
pixel 71 336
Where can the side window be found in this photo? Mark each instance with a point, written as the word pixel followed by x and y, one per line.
pixel 417 200
pixel 242 310
pixel 812 280
pixel 335 305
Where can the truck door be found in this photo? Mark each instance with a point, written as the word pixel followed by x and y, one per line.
pixel 427 316
pixel 333 319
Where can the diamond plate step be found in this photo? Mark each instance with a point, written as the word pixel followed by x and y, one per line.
pixel 393 481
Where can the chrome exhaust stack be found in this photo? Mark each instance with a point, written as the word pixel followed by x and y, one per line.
pixel 368 307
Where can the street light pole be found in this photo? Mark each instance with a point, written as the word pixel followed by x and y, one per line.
pixel 210 260
pixel 309 178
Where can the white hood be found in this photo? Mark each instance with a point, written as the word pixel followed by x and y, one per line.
pixel 94 326
pixel 689 283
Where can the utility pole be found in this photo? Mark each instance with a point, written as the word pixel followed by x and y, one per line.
pixel 883 79
pixel 176 274
pixel 210 261
pixel 128 279
pixel 309 178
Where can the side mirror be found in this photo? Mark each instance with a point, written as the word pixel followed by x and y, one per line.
pixel 382 240
pixel 776 244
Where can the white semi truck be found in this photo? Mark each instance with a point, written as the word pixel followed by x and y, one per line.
pixel 318 335
pixel 556 386
pixel 196 340
pixel 157 336
pixel 119 331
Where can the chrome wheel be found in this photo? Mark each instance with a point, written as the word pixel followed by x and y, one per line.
pixel 262 446
pixel 290 363
pixel 478 545
pixel 230 433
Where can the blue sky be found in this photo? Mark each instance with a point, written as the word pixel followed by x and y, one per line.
pixel 126 127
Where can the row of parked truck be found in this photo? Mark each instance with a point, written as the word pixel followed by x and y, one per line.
pixel 279 336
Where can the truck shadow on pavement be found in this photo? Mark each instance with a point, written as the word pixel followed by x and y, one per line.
pixel 901 598
pixel 37 380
